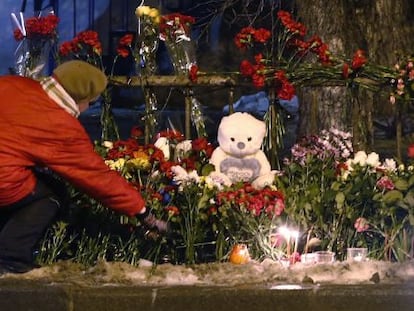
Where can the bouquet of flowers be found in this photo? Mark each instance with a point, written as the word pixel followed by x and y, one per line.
pixel 175 31
pixel 243 214
pixel 147 39
pixel 36 36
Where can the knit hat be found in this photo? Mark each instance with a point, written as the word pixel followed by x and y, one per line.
pixel 80 79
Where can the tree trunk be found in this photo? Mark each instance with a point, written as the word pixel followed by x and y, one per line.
pixel 381 28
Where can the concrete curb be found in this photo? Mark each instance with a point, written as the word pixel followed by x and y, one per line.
pixel 23 295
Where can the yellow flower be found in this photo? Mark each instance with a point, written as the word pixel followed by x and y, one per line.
pixel 154 13
pixel 116 165
pixel 145 10
pixel 142 10
pixel 141 161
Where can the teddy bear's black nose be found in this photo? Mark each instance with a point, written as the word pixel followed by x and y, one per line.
pixel 241 145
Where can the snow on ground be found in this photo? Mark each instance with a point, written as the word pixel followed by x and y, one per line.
pixel 266 273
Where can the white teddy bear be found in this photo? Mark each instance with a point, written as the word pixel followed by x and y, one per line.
pixel 238 156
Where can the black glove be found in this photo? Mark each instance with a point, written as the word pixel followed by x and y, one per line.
pixel 152 223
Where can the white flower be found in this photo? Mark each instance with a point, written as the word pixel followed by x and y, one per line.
pixel 390 165
pixel 345 153
pixel 212 183
pixel 373 159
pixel 182 148
pixel 163 144
pixel 360 158
pixel 182 177
pixel 108 144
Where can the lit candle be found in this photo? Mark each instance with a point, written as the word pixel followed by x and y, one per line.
pixel 285 232
pixel 295 234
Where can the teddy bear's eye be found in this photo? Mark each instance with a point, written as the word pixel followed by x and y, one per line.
pixel 232 139
pixel 249 139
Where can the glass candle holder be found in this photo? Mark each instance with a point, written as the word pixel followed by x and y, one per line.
pixel 356 254
pixel 324 257
pixel 309 258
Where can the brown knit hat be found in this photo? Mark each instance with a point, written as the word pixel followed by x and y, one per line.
pixel 80 79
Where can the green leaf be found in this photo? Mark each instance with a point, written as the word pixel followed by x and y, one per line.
pixel 401 184
pixel 409 199
pixel 340 198
pixel 392 196
pixel 207 169
pixel 411 219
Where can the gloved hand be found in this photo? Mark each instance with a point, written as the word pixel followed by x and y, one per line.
pixel 152 223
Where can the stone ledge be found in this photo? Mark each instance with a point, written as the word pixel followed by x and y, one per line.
pixel 24 295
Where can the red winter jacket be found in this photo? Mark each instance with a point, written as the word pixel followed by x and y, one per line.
pixel 34 130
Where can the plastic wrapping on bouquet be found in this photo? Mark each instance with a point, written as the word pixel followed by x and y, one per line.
pixel 182 54
pixel 32 57
pixel 145 49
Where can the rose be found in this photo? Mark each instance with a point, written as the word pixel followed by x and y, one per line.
pixel 360 158
pixel 373 159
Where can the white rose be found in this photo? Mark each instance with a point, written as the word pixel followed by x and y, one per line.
pixel 373 159
pixel 360 158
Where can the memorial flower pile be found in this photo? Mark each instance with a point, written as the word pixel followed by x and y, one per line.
pixel 325 190
pixel 349 199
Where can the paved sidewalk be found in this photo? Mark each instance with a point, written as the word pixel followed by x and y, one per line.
pixel 24 295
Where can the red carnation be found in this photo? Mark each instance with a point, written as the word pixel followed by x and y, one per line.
pixel 359 59
pixel 193 73
pixel 246 68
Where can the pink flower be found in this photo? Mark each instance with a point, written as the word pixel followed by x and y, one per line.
pixel 385 183
pixel 361 224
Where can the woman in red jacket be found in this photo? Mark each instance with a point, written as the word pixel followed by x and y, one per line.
pixel 39 128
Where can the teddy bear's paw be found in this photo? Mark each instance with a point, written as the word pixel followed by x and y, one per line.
pixel 264 180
